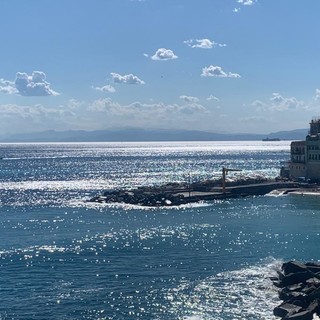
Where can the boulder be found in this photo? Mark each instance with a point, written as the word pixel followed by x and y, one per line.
pixel 314 295
pixel 302 315
pixel 300 291
pixel 286 308
pixel 295 278
pixel 293 267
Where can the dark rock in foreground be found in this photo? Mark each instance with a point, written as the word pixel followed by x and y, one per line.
pixel 299 288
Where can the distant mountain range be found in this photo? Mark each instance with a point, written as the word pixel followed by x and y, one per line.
pixel 129 135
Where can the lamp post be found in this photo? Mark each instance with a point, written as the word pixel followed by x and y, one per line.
pixel 224 173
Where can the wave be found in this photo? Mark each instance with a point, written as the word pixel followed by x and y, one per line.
pixel 246 293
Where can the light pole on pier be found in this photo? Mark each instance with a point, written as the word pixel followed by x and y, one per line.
pixel 224 173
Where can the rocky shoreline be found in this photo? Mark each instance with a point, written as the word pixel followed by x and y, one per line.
pixel 299 289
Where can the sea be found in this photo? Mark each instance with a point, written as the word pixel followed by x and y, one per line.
pixel 62 257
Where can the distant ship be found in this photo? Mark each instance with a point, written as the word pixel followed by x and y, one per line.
pixel 271 139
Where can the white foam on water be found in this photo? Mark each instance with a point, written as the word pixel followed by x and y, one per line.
pixel 247 293
pixel 59 185
pixel 125 206
pixel 277 193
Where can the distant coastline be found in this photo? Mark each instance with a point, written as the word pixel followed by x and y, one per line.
pixel 136 135
pixel 271 139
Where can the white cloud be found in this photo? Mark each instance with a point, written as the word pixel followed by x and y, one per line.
pixel 164 54
pixel 106 88
pixel 7 86
pixel 74 104
pixel 126 79
pixel 259 105
pixel 216 71
pixel 203 43
pixel 317 95
pixel 213 98
pixel 28 85
pixel 244 3
pixel 277 98
pixel 279 103
pixel 247 2
pixel 189 99
pixel 33 85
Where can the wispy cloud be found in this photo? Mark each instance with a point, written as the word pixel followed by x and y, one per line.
pixel 216 71
pixel 164 54
pixel 24 118
pixel 189 99
pixel 148 114
pixel 259 105
pixel 28 85
pixel 137 109
pixel 106 88
pixel 317 95
pixel 126 79
pixel 203 43
pixel 213 98
pixel 100 114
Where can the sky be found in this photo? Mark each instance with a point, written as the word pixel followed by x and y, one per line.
pixel 228 66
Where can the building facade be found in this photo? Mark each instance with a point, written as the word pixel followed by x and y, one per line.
pixel 297 166
pixel 305 155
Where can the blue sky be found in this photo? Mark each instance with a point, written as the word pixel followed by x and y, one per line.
pixel 216 65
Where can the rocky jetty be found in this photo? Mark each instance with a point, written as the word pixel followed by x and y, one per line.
pixel 151 197
pixel 299 288
pixel 170 194
pixel 175 194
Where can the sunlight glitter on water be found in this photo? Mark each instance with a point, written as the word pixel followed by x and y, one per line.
pixel 241 294
pixel 94 261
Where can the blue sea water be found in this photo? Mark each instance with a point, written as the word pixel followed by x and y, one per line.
pixel 64 258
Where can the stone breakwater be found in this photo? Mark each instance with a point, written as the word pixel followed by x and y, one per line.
pixel 299 288
pixel 174 194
